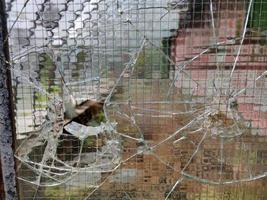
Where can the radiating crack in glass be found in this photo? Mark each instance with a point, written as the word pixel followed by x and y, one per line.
pixel 216 119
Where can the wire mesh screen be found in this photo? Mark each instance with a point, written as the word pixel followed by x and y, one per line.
pixel 140 99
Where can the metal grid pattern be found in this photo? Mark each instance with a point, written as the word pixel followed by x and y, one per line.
pixel 173 95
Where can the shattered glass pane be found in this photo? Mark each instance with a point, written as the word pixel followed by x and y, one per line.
pixel 140 99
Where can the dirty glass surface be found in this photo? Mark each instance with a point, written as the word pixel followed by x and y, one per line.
pixel 178 90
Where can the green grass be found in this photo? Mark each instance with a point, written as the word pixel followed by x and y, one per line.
pixel 61 193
